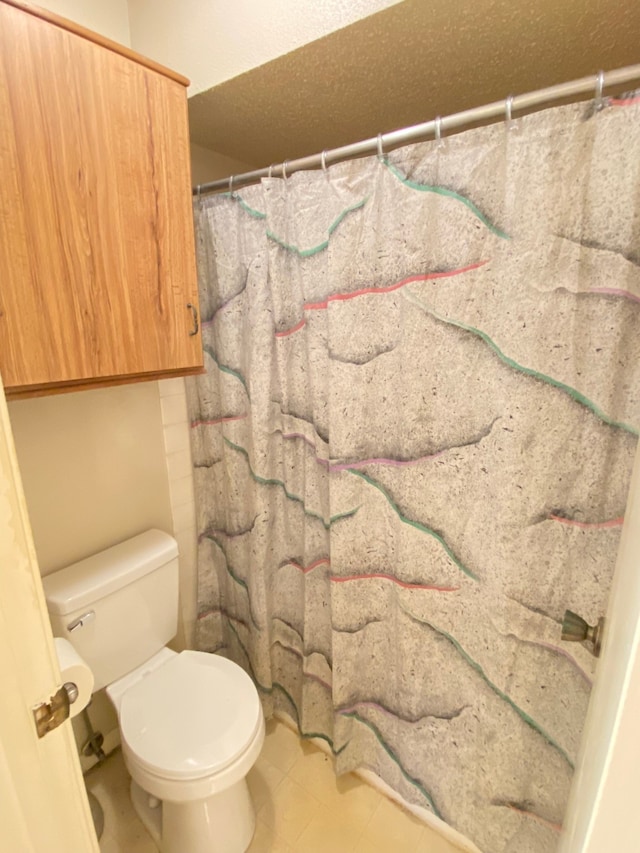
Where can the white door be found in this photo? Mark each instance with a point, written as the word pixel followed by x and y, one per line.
pixel 604 812
pixel 43 804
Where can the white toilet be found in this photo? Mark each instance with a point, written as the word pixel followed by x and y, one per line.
pixel 191 724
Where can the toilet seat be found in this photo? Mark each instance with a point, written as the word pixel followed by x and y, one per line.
pixel 190 718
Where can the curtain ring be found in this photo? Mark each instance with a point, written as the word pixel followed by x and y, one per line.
pixel 270 170
pixel 599 104
pixel 231 186
pixel 508 109
pixel 284 170
pixel 439 130
pixel 380 150
pixel 199 197
pixel 323 160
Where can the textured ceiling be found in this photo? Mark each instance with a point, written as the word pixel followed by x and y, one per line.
pixel 406 65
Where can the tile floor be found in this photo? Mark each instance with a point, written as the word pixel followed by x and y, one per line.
pixel 301 807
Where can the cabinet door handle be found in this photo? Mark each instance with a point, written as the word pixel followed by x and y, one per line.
pixel 194 311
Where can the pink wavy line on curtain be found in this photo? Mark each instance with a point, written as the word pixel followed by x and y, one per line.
pixel 319 459
pixel 344 297
pixel 538 818
pixel 202 422
pixel 319 680
pixel 624 102
pixel 615 291
pixel 385 577
pixel 306 569
pixel 589 525
pixel 295 328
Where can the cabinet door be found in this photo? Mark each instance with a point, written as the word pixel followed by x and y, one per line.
pixel 97 261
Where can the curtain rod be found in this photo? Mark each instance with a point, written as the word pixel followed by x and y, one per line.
pixel 420 132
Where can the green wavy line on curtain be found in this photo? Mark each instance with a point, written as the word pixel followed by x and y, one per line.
pixel 302 253
pixel 527 371
pixel 235 577
pixel 257 214
pixel 428 188
pixel 418 526
pixel 415 782
pixel 224 369
pixel 500 693
pixel 275 685
pixel 307 253
pixel 240 581
pixel 272 481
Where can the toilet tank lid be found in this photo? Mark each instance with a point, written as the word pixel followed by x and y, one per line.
pixel 85 582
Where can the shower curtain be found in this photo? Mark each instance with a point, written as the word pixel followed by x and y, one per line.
pixel 412 449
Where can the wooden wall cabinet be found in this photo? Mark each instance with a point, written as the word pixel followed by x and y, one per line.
pixel 97 257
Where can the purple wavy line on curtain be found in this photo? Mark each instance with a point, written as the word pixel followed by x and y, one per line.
pixel 282 689
pixel 351 714
pixel 385 460
pixel 525 812
pixel 615 291
pixel 556 650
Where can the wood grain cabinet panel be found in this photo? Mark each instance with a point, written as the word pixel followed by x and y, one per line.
pixel 97 259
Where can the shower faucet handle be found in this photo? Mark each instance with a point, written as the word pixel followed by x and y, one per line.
pixel 576 630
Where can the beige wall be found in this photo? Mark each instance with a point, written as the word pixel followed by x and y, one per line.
pixel 207 165
pixel 212 41
pixel 110 18
pixel 93 469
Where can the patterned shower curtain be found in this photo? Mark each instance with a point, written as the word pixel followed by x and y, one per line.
pixel 412 450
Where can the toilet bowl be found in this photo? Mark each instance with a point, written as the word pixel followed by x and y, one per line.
pixel 192 727
pixel 191 724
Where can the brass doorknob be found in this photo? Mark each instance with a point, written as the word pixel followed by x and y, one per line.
pixel 576 630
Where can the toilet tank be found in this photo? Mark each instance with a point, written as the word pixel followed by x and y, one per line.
pixel 118 607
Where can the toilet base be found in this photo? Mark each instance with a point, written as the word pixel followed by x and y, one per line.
pixel 222 823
